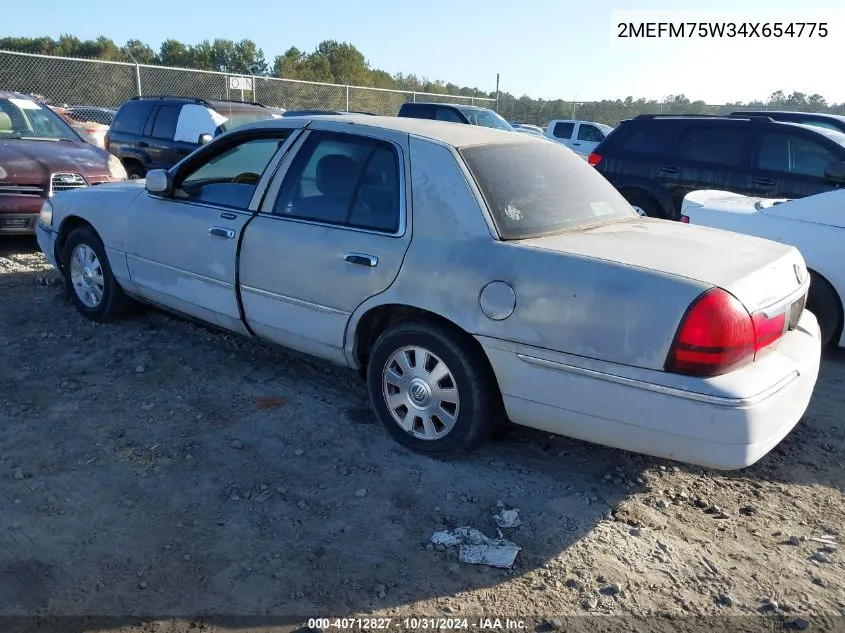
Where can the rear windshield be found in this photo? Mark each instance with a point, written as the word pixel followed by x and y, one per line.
pixel 534 189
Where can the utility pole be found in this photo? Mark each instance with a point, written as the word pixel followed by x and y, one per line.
pixel 497 92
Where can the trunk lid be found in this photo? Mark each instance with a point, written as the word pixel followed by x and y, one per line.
pixel 760 273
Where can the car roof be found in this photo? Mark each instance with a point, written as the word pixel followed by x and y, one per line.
pixel 11 94
pixel 460 106
pixel 823 115
pixel 454 134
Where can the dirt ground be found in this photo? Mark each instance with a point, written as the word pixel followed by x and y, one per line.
pixel 182 479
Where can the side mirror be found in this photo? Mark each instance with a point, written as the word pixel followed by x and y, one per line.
pixel 204 138
pixel 159 182
pixel 835 171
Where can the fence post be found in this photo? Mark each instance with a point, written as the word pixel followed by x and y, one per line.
pixel 573 110
pixel 414 96
pixel 347 97
pixel 138 78
pixel 254 91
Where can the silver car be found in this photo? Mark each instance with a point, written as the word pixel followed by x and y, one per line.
pixel 474 276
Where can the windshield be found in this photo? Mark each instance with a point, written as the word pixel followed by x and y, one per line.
pixel 235 118
pixel 487 118
pixel 24 118
pixel 534 189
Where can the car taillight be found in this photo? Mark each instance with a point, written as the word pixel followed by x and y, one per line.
pixel 717 335
pixel 594 159
pixel 684 219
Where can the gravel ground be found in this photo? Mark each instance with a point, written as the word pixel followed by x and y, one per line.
pixel 156 469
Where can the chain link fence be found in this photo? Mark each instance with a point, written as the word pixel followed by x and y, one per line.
pixel 73 81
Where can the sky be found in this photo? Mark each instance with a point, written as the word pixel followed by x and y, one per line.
pixel 545 49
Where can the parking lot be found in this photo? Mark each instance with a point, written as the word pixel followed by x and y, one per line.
pixel 154 467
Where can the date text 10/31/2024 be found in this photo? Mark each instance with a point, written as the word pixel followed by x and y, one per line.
pixel 417 624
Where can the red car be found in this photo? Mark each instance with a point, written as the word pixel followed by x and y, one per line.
pixel 40 154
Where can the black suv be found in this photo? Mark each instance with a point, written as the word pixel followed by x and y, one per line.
pixel 819 119
pixel 467 114
pixel 656 160
pixel 157 132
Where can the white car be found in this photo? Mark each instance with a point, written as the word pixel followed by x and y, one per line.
pixel 815 225
pixel 473 275
pixel 582 137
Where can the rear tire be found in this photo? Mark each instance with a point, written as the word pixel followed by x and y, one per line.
pixel 823 301
pixel 648 205
pixel 433 390
pixel 134 171
pixel 92 287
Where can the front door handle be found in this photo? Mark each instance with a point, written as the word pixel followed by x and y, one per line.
pixel 143 144
pixel 669 170
pixel 362 259
pixel 763 182
pixel 219 231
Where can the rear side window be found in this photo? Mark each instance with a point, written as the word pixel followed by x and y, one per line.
pixel 534 189
pixel 164 126
pixel 715 145
pixel 448 114
pixel 648 141
pixel 131 117
pixel 563 130
pixel 418 111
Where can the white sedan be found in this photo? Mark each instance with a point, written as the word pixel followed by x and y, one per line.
pixel 815 225
pixel 472 275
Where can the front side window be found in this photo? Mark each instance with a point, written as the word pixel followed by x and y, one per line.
pixel 345 180
pixel 589 133
pixel 536 189
pixel 229 178
pixel 487 118
pixel 793 154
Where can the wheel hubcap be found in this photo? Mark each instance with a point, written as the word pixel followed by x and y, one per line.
pixel 420 392
pixel 86 275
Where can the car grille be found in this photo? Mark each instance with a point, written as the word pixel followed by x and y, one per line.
pixel 795 312
pixel 9 189
pixel 66 182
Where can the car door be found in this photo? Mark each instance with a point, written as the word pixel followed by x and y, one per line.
pixel 163 150
pixel 563 132
pixel 791 164
pixel 331 233
pixel 708 156
pixel 181 249
pixel 587 138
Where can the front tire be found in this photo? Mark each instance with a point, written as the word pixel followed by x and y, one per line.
pixel 92 288
pixel 432 389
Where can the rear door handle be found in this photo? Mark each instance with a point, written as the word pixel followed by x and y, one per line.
pixel 576 143
pixel 763 182
pixel 219 231
pixel 143 144
pixel 362 259
pixel 669 170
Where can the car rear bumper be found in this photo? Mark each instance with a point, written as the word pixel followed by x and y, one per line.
pixel 721 432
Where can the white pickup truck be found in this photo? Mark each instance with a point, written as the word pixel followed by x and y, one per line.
pixel 581 137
